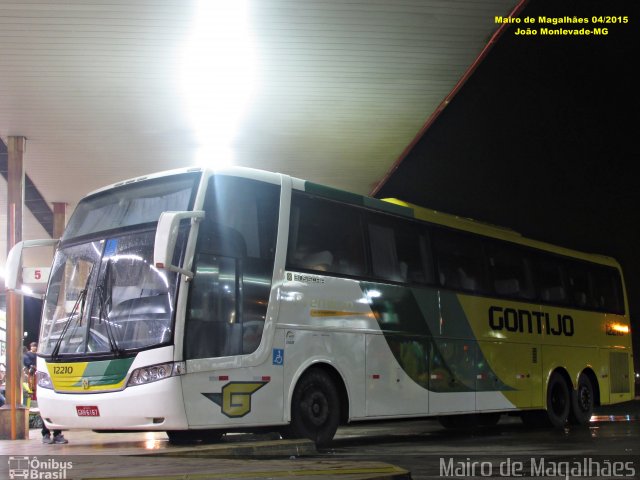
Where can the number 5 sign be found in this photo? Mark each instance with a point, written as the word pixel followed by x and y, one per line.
pixel 35 274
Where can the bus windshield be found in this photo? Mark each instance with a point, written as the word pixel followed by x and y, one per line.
pixel 105 296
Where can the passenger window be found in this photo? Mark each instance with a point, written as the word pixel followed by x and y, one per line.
pixel 510 271
pixel 578 285
pixel 550 277
pixel 607 291
pixel 325 236
pixel 384 254
pixel 460 261
pixel 399 251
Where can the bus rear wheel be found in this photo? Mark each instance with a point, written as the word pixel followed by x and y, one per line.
pixel 558 401
pixel 582 400
pixel 315 408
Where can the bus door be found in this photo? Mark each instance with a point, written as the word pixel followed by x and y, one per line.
pixel 230 379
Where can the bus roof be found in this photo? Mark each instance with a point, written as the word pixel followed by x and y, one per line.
pixel 245 172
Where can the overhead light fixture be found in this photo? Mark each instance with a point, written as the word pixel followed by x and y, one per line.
pixel 218 77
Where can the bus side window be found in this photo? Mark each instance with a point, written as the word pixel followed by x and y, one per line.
pixel 384 254
pixel 460 261
pixel 399 250
pixel 607 291
pixel 578 284
pixel 325 236
pixel 510 270
pixel 550 278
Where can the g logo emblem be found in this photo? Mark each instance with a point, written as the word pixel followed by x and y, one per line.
pixel 235 397
pixel 85 383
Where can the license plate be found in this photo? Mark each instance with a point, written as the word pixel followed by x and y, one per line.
pixel 87 411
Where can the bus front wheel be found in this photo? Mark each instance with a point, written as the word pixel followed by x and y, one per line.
pixel 582 400
pixel 315 408
pixel 558 401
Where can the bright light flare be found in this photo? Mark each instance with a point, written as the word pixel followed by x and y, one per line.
pixel 218 77
pixel 26 290
pixel 619 328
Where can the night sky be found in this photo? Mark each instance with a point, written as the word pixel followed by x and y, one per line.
pixel 543 138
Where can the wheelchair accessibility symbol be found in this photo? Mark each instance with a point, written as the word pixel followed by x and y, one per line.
pixel 278 356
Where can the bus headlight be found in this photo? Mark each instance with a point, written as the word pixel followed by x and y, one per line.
pixel 153 373
pixel 44 380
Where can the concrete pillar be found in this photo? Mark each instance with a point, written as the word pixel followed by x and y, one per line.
pixel 14 420
pixel 59 218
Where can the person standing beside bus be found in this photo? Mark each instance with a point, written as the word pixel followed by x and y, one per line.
pixel 29 360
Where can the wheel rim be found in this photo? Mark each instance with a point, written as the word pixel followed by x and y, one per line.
pixel 584 398
pixel 316 408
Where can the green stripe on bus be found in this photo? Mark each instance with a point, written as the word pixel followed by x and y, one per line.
pixel 359 200
pixel 107 372
pixel 438 357
pixel 388 207
pixel 334 193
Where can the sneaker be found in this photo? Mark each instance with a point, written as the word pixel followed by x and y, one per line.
pixel 47 438
pixel 59 439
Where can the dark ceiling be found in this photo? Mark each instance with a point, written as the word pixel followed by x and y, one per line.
pixel 543 139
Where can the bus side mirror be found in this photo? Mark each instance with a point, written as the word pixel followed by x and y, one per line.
pixel 166 236
pixel 13 267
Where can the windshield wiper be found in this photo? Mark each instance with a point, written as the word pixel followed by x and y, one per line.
pixel 80 302
pixel 104 300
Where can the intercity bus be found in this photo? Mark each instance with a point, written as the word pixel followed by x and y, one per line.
pixel 202 302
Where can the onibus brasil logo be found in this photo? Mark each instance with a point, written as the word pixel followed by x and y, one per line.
pixel 40 469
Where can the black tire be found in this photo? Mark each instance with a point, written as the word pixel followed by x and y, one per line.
pixel 315 408
pixel 582 401
pixel 558 401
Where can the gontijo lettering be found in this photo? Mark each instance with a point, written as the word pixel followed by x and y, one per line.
pixel 530 321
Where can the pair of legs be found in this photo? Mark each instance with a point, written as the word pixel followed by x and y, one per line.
pixel 57 436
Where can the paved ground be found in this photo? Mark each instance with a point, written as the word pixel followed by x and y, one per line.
pixel 360 452
pixel 421 446
pixel 135 455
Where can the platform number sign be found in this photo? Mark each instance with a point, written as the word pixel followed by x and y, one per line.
pixel 35 274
